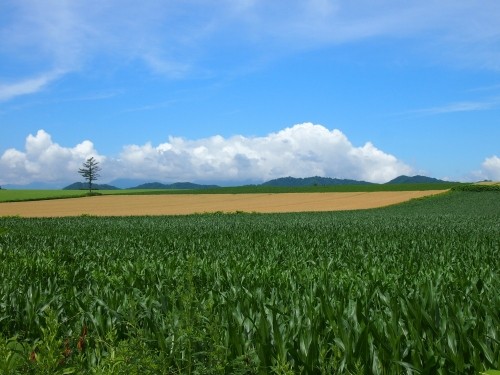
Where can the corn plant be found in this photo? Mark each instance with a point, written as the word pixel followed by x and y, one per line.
pixel 410 289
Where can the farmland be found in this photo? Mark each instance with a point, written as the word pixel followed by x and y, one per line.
pixel 411 288
pixel 166 204
pixel 30 195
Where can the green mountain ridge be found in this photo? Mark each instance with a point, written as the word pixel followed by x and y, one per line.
pixel 418 179
pixel 175 185
pixel 85 186
pixel 312 181
pixel 278 182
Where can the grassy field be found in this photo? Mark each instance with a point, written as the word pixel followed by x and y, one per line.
pixel 407 289
pixel 30 195
pixel 22 195
pixel 36 195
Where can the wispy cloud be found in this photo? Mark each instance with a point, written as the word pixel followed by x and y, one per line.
pixel 459 107
pixel 9 91
pixel 464 106
pixel 485 88
pixel 150 107
pixel 105 95
pixel 445 29
pixel 178 38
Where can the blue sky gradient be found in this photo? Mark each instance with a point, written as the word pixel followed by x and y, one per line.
pixel 244 91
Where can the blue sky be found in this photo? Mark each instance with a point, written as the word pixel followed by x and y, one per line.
pixel 233 91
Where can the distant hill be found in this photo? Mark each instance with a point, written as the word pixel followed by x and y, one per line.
pixel 175 185
pixel 415 180
pixel 312 181
pixel 125 183
pixel 278 182
pixel 36 186
pixel 85 186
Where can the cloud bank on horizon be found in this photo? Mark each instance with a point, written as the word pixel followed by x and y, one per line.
pixel 302 150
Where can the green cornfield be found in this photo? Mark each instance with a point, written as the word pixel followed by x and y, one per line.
pixel 408 289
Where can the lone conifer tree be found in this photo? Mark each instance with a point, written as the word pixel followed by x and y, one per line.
pixel 90 171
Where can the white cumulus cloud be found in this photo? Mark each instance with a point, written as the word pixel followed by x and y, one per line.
pixel 490 169
pixel 300 151
pixel 44 161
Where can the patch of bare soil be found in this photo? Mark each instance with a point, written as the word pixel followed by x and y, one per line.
pixel 135 205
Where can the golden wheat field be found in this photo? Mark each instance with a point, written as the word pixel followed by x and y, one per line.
pixel 124 205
